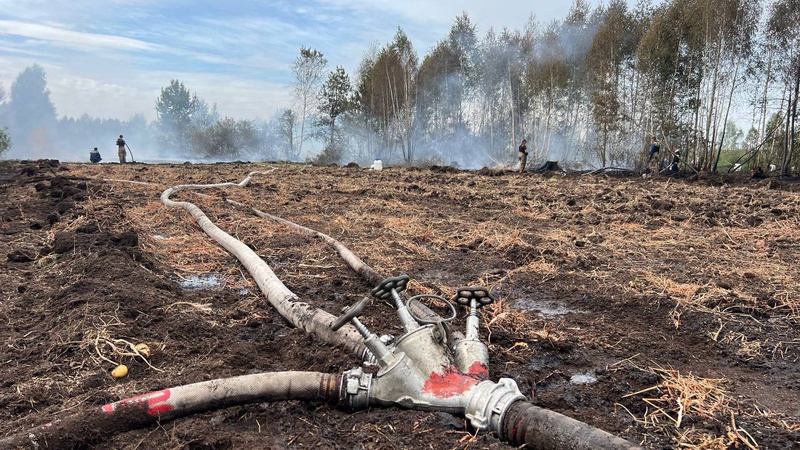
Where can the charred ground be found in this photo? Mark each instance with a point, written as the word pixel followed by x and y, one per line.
pixel 677 300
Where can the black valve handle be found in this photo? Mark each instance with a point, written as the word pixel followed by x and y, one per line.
pixel 349 312
pixel 383 291
pixel 465 295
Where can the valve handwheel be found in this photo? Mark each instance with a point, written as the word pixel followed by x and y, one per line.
pixel 465 295
pixel 384 290
pixel 349 312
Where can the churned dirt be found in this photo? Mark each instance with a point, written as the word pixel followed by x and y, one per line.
pixel 663 310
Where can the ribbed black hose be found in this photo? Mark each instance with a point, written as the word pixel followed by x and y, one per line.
pixel 93 426
pixel 541 429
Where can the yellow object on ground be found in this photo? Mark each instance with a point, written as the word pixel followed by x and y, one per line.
pixel 143 348
pixel 120 371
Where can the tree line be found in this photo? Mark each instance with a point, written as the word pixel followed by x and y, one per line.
pixel 590 88
pixel 593 87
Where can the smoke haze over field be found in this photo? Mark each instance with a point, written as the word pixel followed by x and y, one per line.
pixel 457 83
pixel 105 64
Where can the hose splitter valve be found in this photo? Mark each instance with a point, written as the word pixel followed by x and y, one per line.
pixel 425 369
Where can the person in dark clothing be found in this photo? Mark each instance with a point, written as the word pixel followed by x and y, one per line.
pixel 94 156
pixel 758 173
pixel 674 166
pixel 654 148
pixel 121 149
pixel 523 155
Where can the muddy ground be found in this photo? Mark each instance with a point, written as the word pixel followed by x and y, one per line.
pixel 666 311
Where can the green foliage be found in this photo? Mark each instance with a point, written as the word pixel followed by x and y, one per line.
pixel 733 137
pixel 447 78
pixel 188 124
pixel 442 84
pixel 308 69
pixel 463 43
pixel 329 155
pixel 226 139
pixel 286 131
pixel 598 81
pixel 335 99
pixel 176 108
pixel 611 46
pixel 387 94
pixel 5 140
pixel 550 74
pixel 30 109
pixel 729 158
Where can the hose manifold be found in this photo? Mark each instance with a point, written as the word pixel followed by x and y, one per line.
pixel 489 402
pixel 355 389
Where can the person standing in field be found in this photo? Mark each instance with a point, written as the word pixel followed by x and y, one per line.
pixel 121 149
pixel 523 155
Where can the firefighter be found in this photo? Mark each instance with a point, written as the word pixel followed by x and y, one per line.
pixel 121 149
pixel 676 160
pixel 523 155
pixel 654 148
pixel 94 156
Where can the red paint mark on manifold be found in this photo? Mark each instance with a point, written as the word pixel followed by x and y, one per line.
pixel 449 384
pixel 155 401
pixel 478 370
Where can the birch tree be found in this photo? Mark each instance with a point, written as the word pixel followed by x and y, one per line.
pixel 308 69
pixel 784 31
pixel 611 46
pixel 387 92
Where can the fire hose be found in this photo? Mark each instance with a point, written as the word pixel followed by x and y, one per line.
pixel 427 368
pixel 86 428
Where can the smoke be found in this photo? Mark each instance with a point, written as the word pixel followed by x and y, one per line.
pixel 71 140
pixel 475 120
pixel 468 120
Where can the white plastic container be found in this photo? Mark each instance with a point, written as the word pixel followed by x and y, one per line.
pixel 377 164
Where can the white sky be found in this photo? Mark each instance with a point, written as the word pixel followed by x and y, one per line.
pixel 110 59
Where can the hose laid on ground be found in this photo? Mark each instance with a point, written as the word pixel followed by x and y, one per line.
pixel 90 427
pixel 300 314
pixel 368 273
pixel 525 424
pixel 357 264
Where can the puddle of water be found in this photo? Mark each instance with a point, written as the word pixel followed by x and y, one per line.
pixel 160 237
pixel 546 309
pixel 583 378
pixel 198 282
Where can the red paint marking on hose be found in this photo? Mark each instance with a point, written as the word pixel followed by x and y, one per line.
pixel 156 402
pixel 449 384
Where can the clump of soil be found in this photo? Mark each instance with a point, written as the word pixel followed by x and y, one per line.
pixel 664 311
